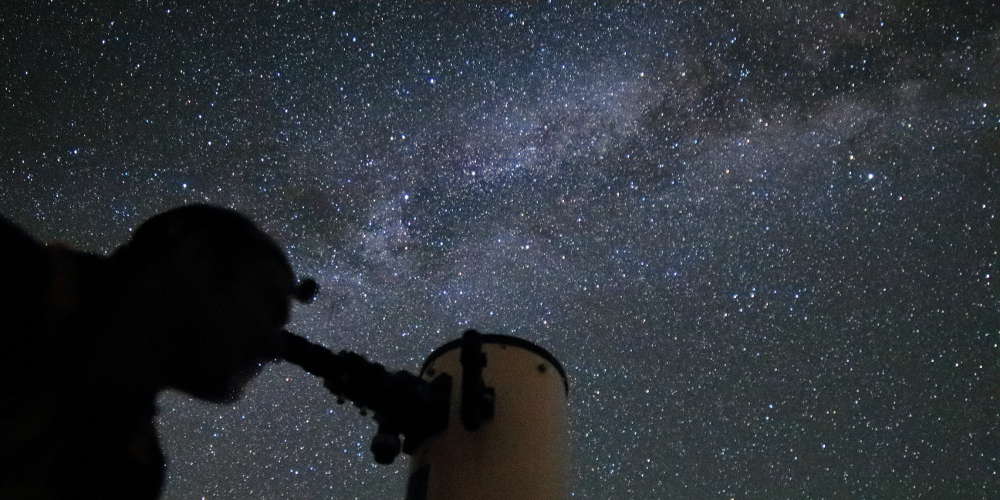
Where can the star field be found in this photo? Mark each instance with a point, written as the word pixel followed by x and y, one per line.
pixel 761 237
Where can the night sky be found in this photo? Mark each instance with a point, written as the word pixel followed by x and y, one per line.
pixel 761 236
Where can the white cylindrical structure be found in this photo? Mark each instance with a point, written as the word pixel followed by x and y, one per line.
pixel 522 452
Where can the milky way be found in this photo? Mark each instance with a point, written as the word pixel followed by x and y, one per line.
pixel 760 236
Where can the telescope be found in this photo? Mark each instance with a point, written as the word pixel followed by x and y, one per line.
pixel 485 418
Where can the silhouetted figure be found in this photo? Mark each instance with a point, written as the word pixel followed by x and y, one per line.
pixel 195 301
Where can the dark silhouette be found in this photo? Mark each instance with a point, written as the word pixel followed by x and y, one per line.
pixel 195 301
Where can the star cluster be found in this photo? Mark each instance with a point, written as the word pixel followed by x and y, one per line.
pixel 760 236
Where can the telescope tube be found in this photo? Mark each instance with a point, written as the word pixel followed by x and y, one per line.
pixel 517 446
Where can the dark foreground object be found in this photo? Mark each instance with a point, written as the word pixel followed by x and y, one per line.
pixel 195 301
